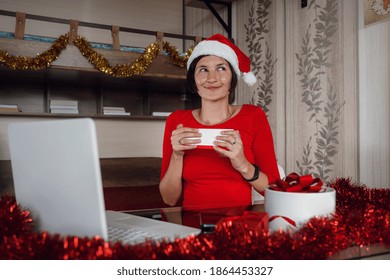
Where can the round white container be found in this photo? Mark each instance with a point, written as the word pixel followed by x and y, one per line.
pixel 289 210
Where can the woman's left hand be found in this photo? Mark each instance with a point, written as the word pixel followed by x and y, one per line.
pixel 229 144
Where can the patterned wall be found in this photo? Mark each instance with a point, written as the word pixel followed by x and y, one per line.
pixel 311 99
pixel 321 104
pixel 262 57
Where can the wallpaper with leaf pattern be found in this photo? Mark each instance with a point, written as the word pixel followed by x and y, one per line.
pixel 318 96
pixel 261 56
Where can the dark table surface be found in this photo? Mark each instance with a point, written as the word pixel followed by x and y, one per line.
pixel 206 219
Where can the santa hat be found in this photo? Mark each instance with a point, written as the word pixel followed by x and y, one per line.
pixel 220 46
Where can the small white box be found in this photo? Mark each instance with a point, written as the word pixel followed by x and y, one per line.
pixel 209 135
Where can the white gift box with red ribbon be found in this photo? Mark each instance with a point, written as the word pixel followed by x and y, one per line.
pixel 292 202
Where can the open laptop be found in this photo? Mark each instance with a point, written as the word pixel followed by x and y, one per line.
pixel 56 172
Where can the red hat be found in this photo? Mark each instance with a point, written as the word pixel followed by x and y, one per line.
pixel 221 46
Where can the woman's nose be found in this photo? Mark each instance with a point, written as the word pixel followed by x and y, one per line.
pixel 212 76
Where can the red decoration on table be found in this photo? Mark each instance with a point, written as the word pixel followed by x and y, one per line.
pixel 13 219
pixel 255 221
pixel 362 218
pixel 295 183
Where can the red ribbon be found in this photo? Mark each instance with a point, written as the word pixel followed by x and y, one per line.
pixel 295 183
pixel 288 220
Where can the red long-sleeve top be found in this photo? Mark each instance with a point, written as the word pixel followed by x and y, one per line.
pixel 209 180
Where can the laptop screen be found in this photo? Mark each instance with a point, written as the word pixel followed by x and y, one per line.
pixel 56 170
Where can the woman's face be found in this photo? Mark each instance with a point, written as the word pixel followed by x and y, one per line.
pixel 213 78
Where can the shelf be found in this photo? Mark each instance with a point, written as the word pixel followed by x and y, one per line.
pixel 141 95
pixel 50 115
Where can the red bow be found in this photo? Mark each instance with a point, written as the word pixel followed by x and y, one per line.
pixel 295 183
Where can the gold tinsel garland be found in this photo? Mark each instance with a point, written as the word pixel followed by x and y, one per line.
pixel 41 61
pixel 139 66
pixel 174 54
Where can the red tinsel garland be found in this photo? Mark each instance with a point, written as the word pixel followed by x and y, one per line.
pixel 362 218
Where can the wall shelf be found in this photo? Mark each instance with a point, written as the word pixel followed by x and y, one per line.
pixel 72 77
pixel 141 95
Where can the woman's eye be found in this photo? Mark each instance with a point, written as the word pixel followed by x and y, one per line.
pixel 221 68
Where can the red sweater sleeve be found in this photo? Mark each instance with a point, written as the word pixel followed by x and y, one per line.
pixel 170 125
pixel 263 147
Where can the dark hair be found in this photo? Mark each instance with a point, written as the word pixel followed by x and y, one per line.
pixel 191 85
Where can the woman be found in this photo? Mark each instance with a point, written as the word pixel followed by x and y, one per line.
pixel 244 154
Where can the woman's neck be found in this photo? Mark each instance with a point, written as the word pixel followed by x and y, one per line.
pixel 214 114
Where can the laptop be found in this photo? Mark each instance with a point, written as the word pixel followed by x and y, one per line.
pixel 56 172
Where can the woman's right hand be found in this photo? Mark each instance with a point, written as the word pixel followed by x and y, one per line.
pixel 184 138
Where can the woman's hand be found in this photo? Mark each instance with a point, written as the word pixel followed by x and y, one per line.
pixel 229 144
pixel 184 138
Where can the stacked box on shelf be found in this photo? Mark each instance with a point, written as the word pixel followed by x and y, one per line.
pixel 115 111
pixel 161 114
pixel 64 106
pixel 9 108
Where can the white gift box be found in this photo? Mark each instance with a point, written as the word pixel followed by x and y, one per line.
pixel 290 210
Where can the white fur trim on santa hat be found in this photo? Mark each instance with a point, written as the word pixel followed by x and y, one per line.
pixel 218 49
pixel 249 78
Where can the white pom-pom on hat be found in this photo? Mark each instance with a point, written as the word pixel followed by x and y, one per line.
pixel 249 78
pixel 221 46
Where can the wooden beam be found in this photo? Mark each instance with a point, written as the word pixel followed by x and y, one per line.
pixel 20 25
pixel 74 25
pixel 115 37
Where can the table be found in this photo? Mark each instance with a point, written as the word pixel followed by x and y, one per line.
pixel 205 219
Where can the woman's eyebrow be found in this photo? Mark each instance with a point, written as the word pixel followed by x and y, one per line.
pixel 207 66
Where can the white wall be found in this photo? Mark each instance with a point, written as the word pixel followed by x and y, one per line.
pixel 116 138
pixel 164 16
pixel 374 76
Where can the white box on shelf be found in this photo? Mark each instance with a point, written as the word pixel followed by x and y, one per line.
pixel 161 114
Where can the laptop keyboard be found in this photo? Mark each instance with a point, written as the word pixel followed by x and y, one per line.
pixel 130 235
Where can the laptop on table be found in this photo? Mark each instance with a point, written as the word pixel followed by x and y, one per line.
pixel 56 172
